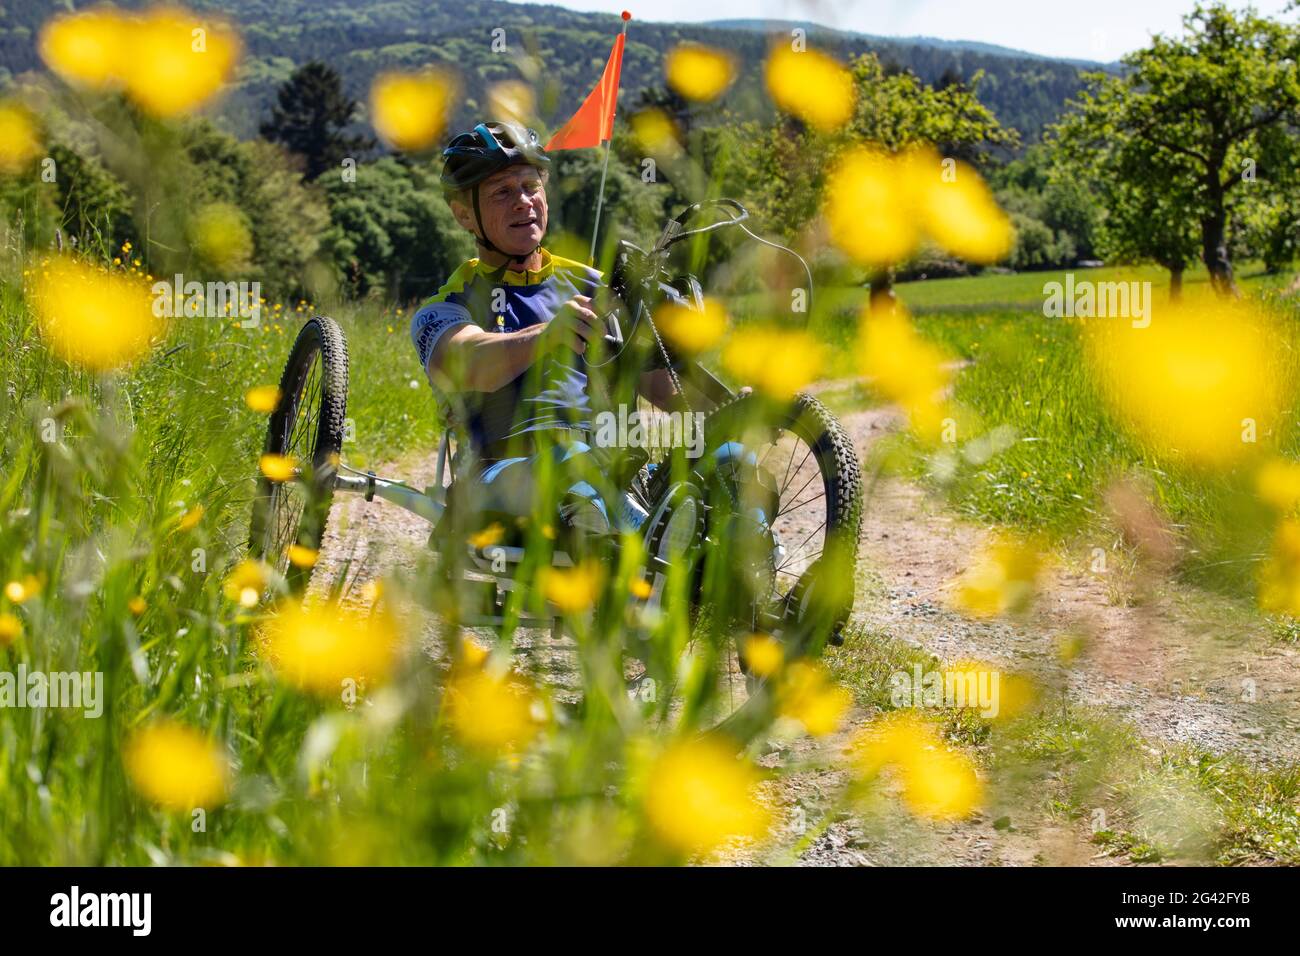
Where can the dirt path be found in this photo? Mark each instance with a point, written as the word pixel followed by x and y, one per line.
pixel 1182 665
pixel 1185 666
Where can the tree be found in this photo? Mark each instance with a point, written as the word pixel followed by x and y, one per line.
pixel 1149 222
pixel 310 117
pixel 897 110
pixel 391 231
pixel 1189 116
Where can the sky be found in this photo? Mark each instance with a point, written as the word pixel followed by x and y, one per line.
pixel 1081 29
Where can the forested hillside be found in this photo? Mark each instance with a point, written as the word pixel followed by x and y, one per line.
pixel 360 37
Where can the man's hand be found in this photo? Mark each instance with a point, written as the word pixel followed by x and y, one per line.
pixel 575 325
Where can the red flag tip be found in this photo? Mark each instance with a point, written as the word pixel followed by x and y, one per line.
pixel 626 15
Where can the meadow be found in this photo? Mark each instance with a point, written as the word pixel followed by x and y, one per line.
pixel 235 721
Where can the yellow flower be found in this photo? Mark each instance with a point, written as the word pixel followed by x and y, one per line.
pixel 1200 382
pixel 773 361
pixel 1005 696
pixel 812 86
pixel 1278 484
pixel 487 714
pixel 137 605
pixel 698 72
pixel 278 467
pixel 879 205
pixel 85 49
pixel 176 60
pixel 905 368
pixel 92 318
pixel 763 654
pixel 20 142
pixel 220 235
pixel 191 518
pixel 1279 574
pixel 808 696
pixel 868 204
pixel 1002 580
pixel 488 536
pixel 10 628
pixel 176 767
pixel 691 330
pixel 510 101
pixel 640 588
pixel 472 656
pixel 959 210
pixel 699 794
pixel 247 581
pixel 938 782
pixel 572 589
pixel 656 132
pixel 409 110
pixel 303 556
pixel 317 648
pixel 263 398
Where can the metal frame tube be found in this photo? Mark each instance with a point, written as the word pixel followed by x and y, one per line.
pixel 394 492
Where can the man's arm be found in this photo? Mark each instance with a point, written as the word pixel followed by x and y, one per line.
pixel 469 359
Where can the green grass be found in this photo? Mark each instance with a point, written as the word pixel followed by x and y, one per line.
pixel 97 472
pixel 1023 291
pixel 1025 374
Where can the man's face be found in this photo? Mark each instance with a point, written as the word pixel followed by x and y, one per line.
pixel 513 205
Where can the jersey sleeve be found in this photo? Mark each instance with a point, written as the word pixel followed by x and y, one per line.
pixel 431 322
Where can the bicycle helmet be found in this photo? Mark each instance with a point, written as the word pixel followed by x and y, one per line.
pixel 489 148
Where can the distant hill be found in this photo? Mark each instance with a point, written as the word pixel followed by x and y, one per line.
pixel 969 46
pixel 361 37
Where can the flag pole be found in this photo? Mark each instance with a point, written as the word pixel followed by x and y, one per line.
pixel 600 199
pixel 600 196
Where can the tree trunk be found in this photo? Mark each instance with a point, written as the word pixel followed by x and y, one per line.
pixel 1214 239
pixel 1176 283
pixel 882 291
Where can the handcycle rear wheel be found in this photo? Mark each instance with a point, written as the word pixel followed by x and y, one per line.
pixel 307 427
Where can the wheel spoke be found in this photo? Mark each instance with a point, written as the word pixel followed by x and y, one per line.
pixel 794 508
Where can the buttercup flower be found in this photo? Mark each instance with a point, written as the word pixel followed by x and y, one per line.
pixel 812 86
pixel 699 794
pixel 699 72
pixel 176 767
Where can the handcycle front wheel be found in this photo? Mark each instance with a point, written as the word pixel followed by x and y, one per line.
pixel 305 429
pixel 785 516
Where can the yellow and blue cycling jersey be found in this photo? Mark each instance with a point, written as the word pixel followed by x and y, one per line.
pixel 553 396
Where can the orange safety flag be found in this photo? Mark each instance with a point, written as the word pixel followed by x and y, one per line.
pixel 594 121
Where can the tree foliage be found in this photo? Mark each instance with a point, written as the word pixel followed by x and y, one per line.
pixel 1172 139
pixel 311 117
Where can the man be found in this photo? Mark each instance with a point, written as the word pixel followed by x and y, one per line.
pixel 505 339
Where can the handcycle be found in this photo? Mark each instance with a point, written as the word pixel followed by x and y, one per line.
pixel 758 533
